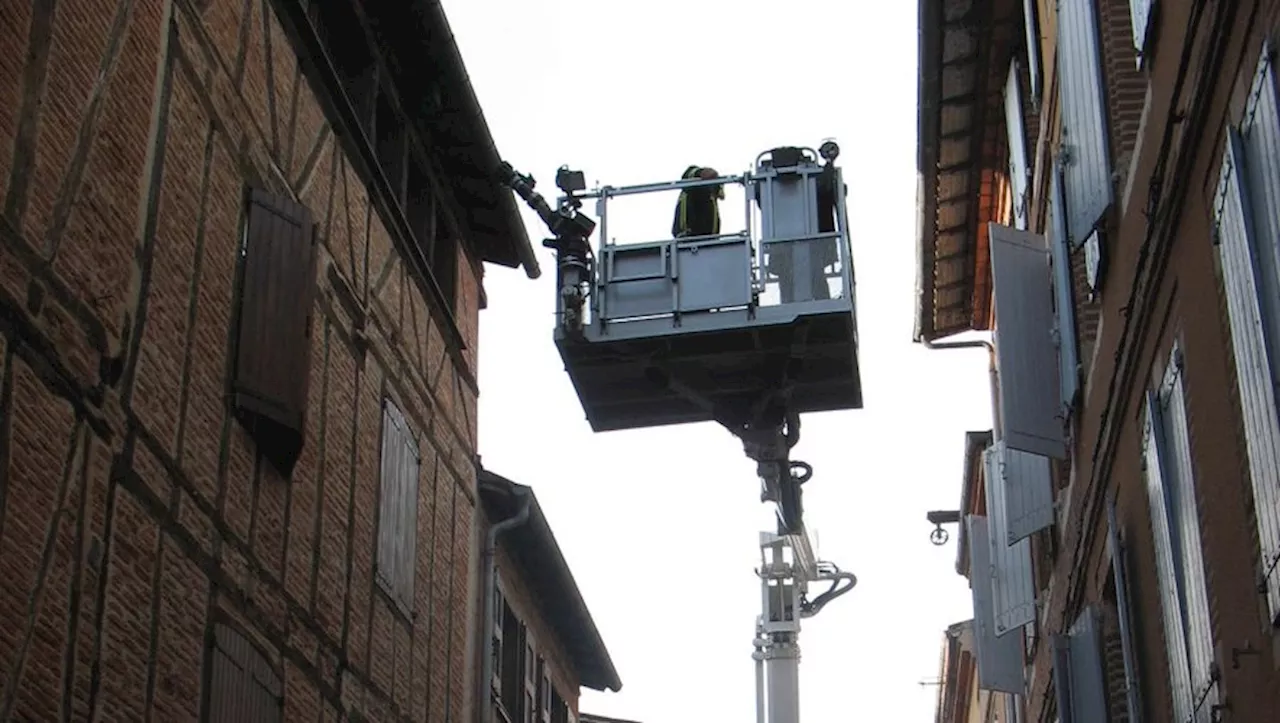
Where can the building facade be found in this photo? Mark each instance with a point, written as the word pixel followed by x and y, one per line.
pixel 1100 190
pixel 241 254
pixel 545 646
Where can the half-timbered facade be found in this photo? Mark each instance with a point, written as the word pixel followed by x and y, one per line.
pixel 241 253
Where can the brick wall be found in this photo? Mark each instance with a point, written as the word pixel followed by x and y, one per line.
pixel 1184 302
pixel 135 510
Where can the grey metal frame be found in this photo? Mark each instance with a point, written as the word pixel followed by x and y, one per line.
pixel 709 283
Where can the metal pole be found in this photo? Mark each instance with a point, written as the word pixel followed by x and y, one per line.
pixel 758 656
pixel 783 673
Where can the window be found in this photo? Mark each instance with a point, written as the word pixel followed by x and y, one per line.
pixel 544 692
pixel 243 685
pixel 1247 229
pixel 273 340
pixel 398 508
pixel 393 145
pixel 521 680
pixel 529 707
pixel 559 708
pixel 512 675
pixel 1179 561
pixel 497 641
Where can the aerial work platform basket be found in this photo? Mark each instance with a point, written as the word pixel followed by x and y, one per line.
pixel 704 328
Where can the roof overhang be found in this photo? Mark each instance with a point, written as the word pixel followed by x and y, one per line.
pixel 972 492
pixel 533 548
pixel 433 78
pixel 964 47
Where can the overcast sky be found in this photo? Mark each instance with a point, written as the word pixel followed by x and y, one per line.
pixel 660 526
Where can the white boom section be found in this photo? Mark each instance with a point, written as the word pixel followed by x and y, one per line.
pixel 788 565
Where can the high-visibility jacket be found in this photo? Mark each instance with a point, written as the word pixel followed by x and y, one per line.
pixel 697 211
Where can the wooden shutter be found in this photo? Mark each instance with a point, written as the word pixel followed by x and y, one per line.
pixel 1163 532
pixel 1088 684
pixel 1140 17
pixel 273 356
pixel 544 692
pixel 1085 156
pixel 1247 225
pixel 1026 355
pixel 1063 295
pixel 529 706
pixel 499 606
pixel 243 686
pixel 1124 615
pixel 1015 126
pixel 999 657
pixel 398 508
pixel 511 652
pixel 1189 554
pixel 1012 586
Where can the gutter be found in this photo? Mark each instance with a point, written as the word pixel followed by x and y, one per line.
pixel 493 161
pixel 488 566
pixel 994 380
pixel 927 126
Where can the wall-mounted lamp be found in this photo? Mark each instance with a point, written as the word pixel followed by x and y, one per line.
pixel 939 518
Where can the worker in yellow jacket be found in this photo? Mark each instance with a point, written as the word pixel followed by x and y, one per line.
pixel 698 210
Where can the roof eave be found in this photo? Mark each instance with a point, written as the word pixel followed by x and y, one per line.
pixel 514 231
pixel 953 160
pixel 928 95
pixel 597 671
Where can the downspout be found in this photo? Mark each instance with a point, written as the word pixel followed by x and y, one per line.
pixel 488 566
pixel 993 373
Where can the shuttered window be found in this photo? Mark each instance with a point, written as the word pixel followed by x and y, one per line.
pixel 1179 558
pixel 1124 615
pixel 1026 354
pixel 512 646
pixel 544 692
pixel 1078 678
pixel 1012 584
pixel 1019 169
pixel 1247 230
pixel 497 643
pixel 1032 25
pixel 243 686
pixel 559 708
pixel 999 656
pixel 1063 295
pixel 273 348
pixel 1140 15
pixel 529 706
pixel 1084 154
pixel 398 507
